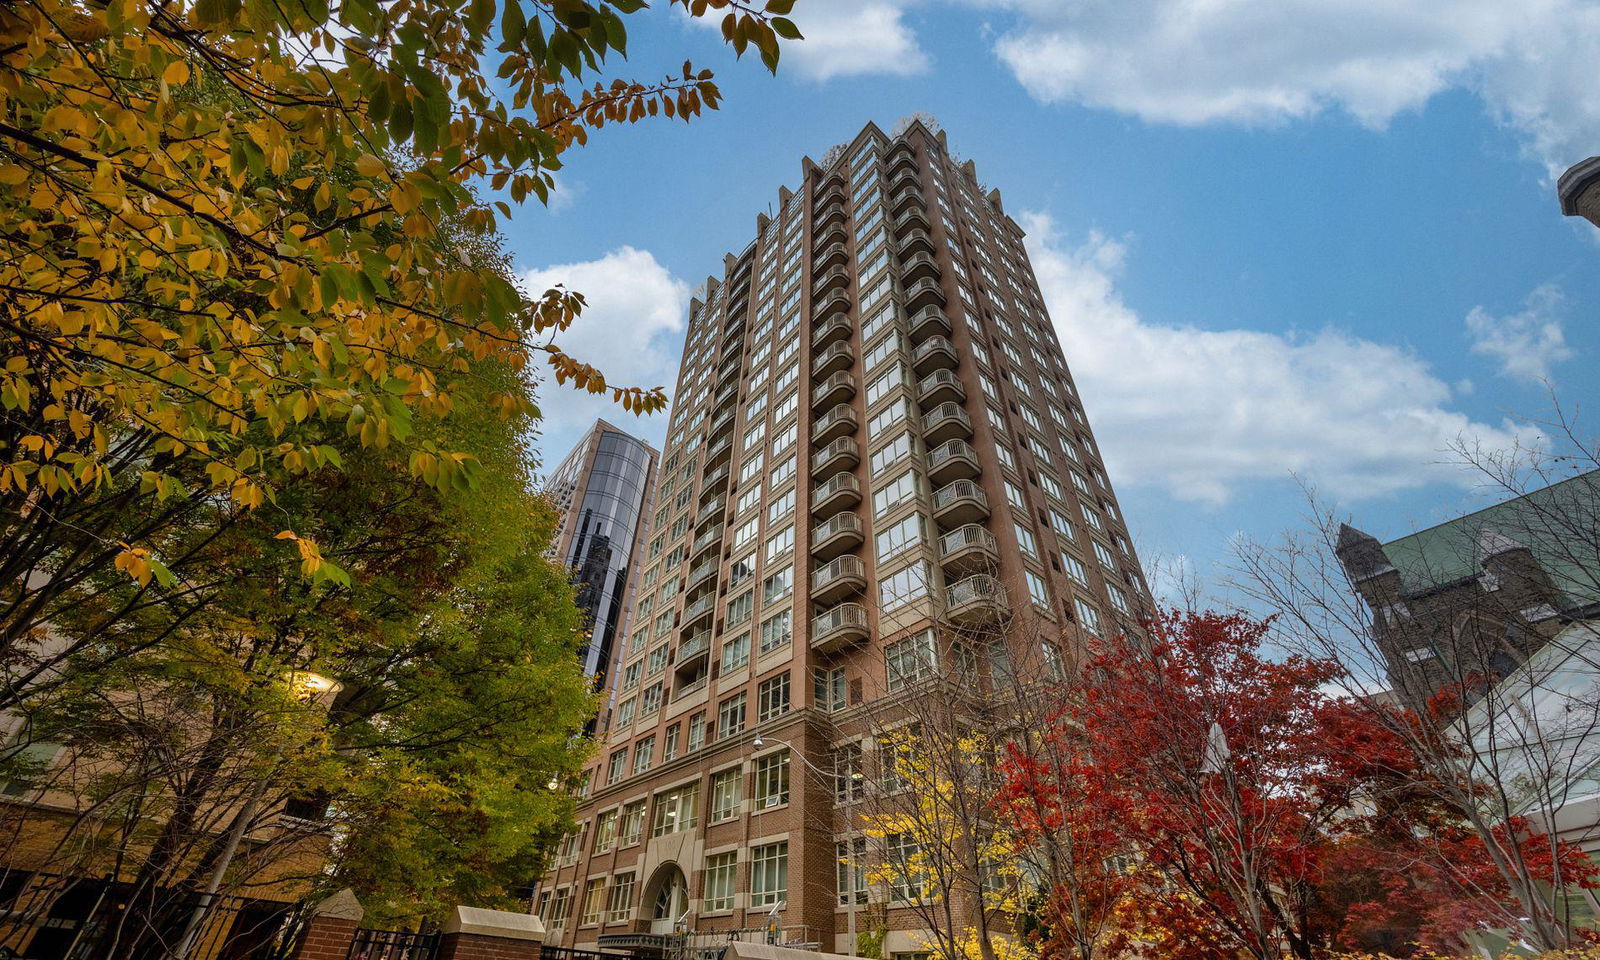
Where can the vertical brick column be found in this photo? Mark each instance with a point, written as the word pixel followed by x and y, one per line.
pixel 331 929
pixel 471 933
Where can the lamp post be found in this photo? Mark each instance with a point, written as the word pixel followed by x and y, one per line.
pixel 856 777
pixel 309 688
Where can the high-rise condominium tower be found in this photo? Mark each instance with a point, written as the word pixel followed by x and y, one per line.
pixel 876 455
pixel 603 490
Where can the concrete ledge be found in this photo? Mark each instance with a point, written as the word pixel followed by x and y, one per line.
pixel 341 906
pixel 740 950
pixel 504 924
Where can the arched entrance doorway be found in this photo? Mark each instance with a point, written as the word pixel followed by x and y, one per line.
pixel 666 897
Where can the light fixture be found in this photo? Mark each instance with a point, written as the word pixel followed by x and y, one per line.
pixel 554 782
pixel 307 684
pixel 758 743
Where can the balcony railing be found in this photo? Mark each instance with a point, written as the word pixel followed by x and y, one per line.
pixel 836 454
pixel 836 569
pixel 945 421
pixel 841 384
pixel 841 419
pixel 969 539
pixel 835 628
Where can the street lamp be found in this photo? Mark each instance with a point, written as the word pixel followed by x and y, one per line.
pixel 856 776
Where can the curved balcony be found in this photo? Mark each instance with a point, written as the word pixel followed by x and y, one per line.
pixel 904 176
pixel 912 219
pixel 901 157
pixel 969 547
pixel 836 493
pixel 724 425
pixel 837 357
pixel 832 212
pixel 693 651
pixel 919 266
pixel 702 572
pixel 833 254
pixel 940 386
pixel 923 293
pixel 959 502
pixel 835 279
pixel 836 535
pixel 916 240
pixel 933 353
pixel 930 320
pixel 838 578
pixel 947 421
pixel 841 454
pixel 835 389
pixel 831 234
pixel 839 628
pixel 720 452
pixel 977 599
pixel 907 199
pixel 698 614
pixel 837 327
pixel 833 186
pixel 835 303
pixel 952 460
pixel 709 538
pixel 714 480
pixel 838 422
pixel 837 176
pixel 710 510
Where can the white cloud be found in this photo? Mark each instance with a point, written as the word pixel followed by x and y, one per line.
pixel 632 329
pixel 1204 412
pixel 1526 344
pixel 846 38
pixel 564 194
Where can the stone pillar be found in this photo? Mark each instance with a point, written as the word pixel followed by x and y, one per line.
pixel 331 929
pixel 471 933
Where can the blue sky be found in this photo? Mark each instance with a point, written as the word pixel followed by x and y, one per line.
pixel 1279 238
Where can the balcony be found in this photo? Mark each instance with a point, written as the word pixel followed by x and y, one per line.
pixel 693 651
pixel 933 353
pixel 923 293
pixel 978 599
pixel 698 614
pixel 710 510
pixel 712 536
pixel 967 548
pixel 838 422
pixel 841 454
pixel 960 501
pixel 832 212
pixel 833 188
pixel 840 533
pixel 724 424
pixel 902 157
pixel 691 688
pixel 940 386
pixel 835 389
pixel 947 421
pixel 831 234
pixel 714 480
pixel 929 321
pixel 838 578
pixel 835 279
pixel 906 175
pixel 919 266
pixel 837 328
pixel 912 219
pixel 837 357
pixel 916 240
pixel 837 492
pixel 832 255
pixel 720 452
pixel 839 628
pixel 953 460
pixel 909 198
pixel 702 572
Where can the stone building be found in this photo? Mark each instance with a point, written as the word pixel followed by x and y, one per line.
pixel 879 477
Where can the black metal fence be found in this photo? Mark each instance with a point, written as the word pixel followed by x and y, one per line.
pixel 393 945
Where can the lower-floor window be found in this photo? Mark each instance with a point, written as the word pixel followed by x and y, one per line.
pixel 769 874
pixel 721 871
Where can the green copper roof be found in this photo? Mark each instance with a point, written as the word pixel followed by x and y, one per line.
pixel 1559 523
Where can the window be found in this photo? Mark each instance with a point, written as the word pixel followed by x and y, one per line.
pixel 1088 617
pixel 625 712
pixel 891 453
pixel 1037 591
pixel 1075 569
pixel 650 700
pixel 730 716
pixel 849 779
pixel 742 569
pixel 896 412
pixel 593 899
pixel 741 607
pixel 605 831
pixel 632 823
pixel 904 586
pixel 1104 555
pixel 669 746
pixel 904 855
pixel 783 470
pixel 617 766
pixel 736 653
pixel 771 780
pixel 676 810
pixel 697 731
pixel 727 789
pixel 1062 525
pixel 901 536
pixel 721 873
pixel 772 698
pixel 910 660
pixel 643 752
pixel 781 506
pixel 769 874
pixel 777 585
pixel 621 901
pixel 828 688
pixel 560 907
pixel 851 857
pixel 1053 667
pixel 1119 600
pixel 780 542
pixel 776 630
pixel 745 533
pixel 1025 541
pixel 896 492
